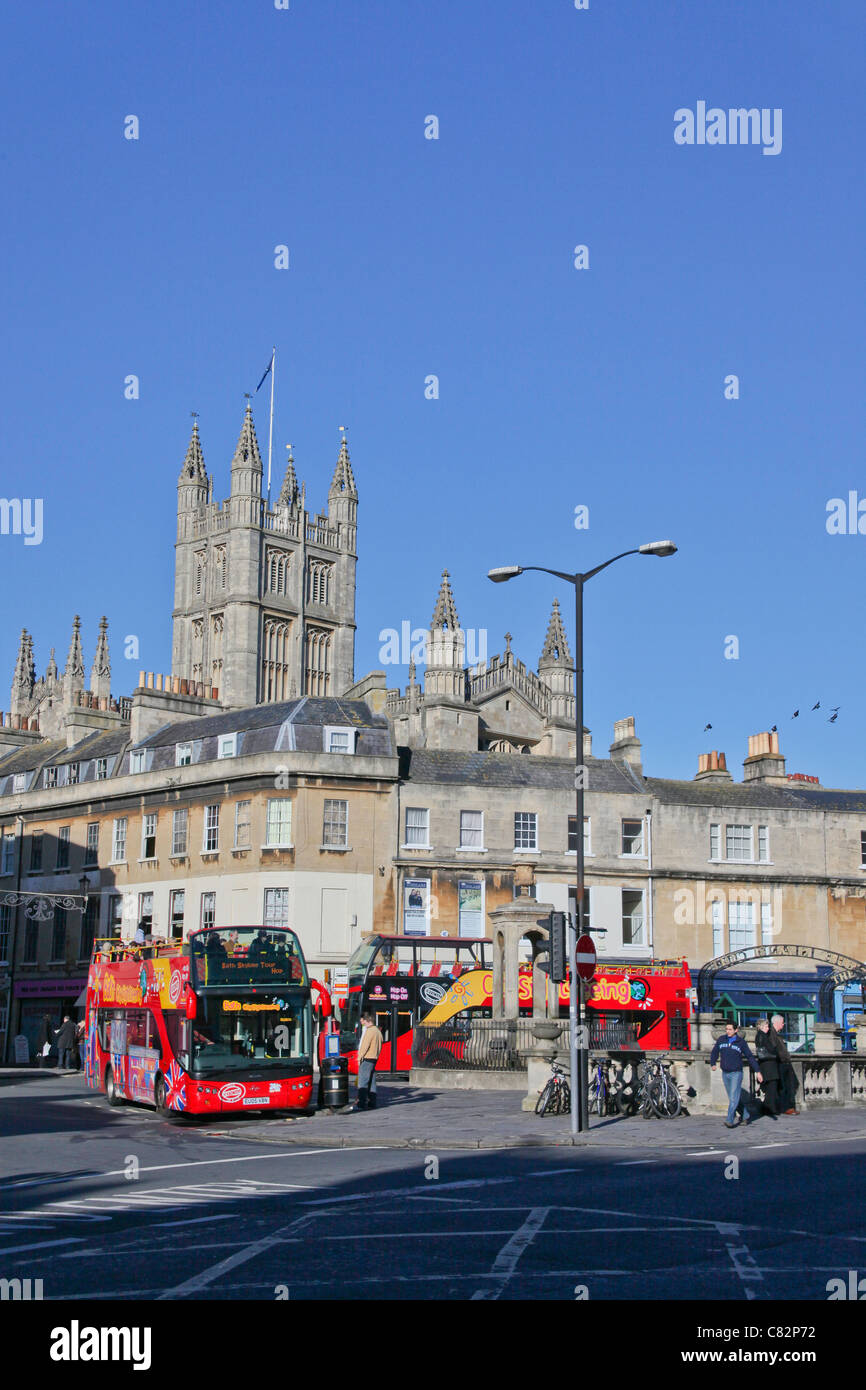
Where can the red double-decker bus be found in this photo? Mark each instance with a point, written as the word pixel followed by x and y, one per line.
pixel 222 1022
pixel 445 982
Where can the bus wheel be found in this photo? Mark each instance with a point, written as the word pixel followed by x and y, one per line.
pixel 159 1096
pixel 439 1057
pixel 111 1094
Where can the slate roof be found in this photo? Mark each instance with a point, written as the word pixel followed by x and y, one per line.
pixel 514 770
pixel 793 798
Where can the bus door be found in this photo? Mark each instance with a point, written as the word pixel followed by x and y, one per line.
pixel 395 1025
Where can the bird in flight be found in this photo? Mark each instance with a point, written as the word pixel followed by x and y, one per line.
pixel 774 729
pixel 833 718
pixel 707 726
pixel 817 704
pixel 796 714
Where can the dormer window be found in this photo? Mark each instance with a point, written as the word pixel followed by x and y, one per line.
pixel 50 778
pixel 136 760
pixel 182 754
pixel 101 769
pixel 74 773
pixel 339 739
pixel 227 746
pixel 19 782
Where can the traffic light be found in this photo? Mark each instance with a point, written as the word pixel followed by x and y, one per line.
pixel 558 951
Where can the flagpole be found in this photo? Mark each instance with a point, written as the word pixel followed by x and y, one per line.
pixel 271 428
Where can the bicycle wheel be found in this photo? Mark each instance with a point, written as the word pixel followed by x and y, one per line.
pixel 667 1099
pixel 564 1099
pixel 596 1097
pixel 543 1105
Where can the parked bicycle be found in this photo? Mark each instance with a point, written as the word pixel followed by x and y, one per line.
pixel 651 1091
pixel 555 1097
pixel 603 1088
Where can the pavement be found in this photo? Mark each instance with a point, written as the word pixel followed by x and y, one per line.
pixel 407 1117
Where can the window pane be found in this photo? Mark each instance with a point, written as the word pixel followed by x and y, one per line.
pixel 525 830
pixel 335 827
pixel 276 907
pixel 208 910
pixel 36 852
pixel 179 832
pixel 416 825
pixel 279 824
pixel 63 847
pixel 471 829
pixel 632 837
pixel 715 842
pixel 632 917
pixel 738 843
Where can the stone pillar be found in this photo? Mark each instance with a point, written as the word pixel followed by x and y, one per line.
pixel 706 1028
pixel 828 1040
pixel 508 925
pixel 859 1022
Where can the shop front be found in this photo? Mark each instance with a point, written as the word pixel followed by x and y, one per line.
pixel 37 1000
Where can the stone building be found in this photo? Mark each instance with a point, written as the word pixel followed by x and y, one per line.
pixel 259 781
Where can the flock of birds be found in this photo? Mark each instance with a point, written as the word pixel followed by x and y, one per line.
pixel 834 715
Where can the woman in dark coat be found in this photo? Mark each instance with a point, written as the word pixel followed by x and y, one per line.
pixel 767 1054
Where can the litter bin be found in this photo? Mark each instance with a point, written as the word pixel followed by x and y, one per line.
pixel 335 1082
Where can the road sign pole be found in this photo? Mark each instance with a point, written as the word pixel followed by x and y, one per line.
pixel 573 997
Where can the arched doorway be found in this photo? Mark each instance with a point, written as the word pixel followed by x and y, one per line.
pixel 817 1000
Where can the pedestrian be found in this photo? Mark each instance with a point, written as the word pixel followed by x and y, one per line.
pixel 65 1036
pixel 733 1052
pixel 368 1055
pixel 43 1042
pixel 78 1046
pixel 767 1054
pixel 787 1076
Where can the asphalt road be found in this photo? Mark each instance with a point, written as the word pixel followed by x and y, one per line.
pixel 121 1204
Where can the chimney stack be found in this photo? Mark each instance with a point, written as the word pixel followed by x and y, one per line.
pixel 712 768
pixel 626 745
pixel 765 763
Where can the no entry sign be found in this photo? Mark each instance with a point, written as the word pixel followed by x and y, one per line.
pixel 586 958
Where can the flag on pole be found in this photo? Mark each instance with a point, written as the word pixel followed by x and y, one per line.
pixel 265 374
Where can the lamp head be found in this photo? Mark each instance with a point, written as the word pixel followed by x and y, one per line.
pixel 504 572
pixel 658 548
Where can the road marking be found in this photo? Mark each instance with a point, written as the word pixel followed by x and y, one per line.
pixel 634 1162
pixel 770 1146
pixel 407 1191
pixel 506 1261
pixel 207 1276
pixel 702 1153
pixel 745 1267
pixel 193 1221
pixel 42 1245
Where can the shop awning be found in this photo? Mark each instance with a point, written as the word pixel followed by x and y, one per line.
pixel 793 1004
pixel 745 999
pixel 81 1000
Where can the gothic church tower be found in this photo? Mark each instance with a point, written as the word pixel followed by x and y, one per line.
pixel 264 599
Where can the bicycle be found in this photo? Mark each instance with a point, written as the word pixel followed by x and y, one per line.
pixel 651 1092
pixel 603 1091
pixel 555 1096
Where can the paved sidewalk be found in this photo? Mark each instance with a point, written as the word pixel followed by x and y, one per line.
pixel 407 1117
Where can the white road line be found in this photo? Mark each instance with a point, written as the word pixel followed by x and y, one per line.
pixel 703 1153
pixel 207 1276
pixel 745 1267
pixel 193 1221
pixel 634 1162
pixel 506 1261
pixel 407 1191
pixel 42 1245
pixel 770 1146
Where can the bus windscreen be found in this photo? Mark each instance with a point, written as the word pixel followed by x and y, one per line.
pixel 232 956
pixel 264 1031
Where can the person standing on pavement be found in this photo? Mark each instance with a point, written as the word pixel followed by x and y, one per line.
pixel 65 1042
pixel 768 1060
pixel 368 1055
pixel 734 1052
pixel 787 1075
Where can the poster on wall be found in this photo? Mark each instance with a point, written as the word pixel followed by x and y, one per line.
pixel 470 911
pixel 416 906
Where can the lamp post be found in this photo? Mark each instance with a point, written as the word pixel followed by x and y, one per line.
pixel 579 1117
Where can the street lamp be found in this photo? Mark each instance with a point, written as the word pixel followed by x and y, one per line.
pixel 579 1117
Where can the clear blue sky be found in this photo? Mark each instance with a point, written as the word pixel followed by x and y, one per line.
pixel 454 257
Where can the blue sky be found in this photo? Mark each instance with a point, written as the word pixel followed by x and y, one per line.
pixel 409 257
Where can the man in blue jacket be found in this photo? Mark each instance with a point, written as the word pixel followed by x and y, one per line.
pixel 733 1052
